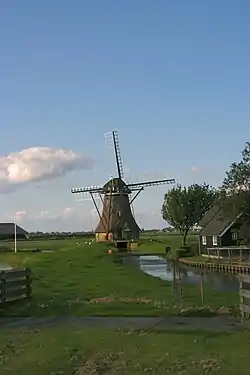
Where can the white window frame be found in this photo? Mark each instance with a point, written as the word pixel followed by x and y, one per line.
pixel 204 240
pixel 235 236
pixel 215 241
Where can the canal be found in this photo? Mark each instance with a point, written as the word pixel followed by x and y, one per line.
pixel 167 270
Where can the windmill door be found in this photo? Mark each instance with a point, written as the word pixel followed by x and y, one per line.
pixel 119 233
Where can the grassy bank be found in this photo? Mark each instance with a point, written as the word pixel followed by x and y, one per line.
pixel 157 244
pixel 69 351
pixel 83 279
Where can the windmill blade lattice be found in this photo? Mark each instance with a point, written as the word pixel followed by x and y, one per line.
pixel 87 189
pixel 112 138
pixel 85 196
pixel 143 184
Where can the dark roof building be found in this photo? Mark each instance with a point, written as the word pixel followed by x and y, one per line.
pixel 209 215
pixel 117 220
pixel 218 229
pixel 7 231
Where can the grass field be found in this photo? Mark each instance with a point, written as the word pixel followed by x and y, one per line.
pixel 84 280
pixel 157 243
pixel 44 244
pixel 72 351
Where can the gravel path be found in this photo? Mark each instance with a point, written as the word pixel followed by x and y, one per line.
pixel 159 323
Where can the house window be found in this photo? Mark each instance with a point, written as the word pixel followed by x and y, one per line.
pixel 204 240
pixel 234 236
pixel 118 213
pixel 215 241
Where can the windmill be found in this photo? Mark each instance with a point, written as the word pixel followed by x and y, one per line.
pixel 116 221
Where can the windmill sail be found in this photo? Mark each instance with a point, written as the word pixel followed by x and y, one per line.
pixel 116 220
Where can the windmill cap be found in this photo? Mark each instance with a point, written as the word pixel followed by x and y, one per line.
pixel 116 184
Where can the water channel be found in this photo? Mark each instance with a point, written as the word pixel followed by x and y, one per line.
pixel 166 270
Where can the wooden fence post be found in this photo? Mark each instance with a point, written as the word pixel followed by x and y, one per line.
pixel 202 287
pixel 244 293
pixel 28 282
pixel 15 284
pixel 2 276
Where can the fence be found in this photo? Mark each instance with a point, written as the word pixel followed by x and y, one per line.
pixel 244 295
pixel 229 253
pixel 15 285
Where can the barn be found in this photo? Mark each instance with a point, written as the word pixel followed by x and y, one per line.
pixel 7 232
pixel 218 230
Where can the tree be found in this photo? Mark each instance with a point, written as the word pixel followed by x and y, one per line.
pixel 235 192
pixel 238 177
pixel 183 207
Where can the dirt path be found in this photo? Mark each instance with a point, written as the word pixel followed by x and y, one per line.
pixel 159 323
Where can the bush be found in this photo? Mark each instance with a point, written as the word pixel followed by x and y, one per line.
pixel 182 252
pixel 194 249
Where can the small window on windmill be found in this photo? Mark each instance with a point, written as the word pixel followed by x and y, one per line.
pixel 118 213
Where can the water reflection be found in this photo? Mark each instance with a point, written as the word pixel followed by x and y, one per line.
pixel 170 271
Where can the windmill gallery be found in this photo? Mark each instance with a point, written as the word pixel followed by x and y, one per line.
pixel 116 220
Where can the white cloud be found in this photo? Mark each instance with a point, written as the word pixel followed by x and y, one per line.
pixel 38 164
pixel 64 214
pixel 67 212
pixel 67 219
pixel 46 215
pixel 200 169
pixel 196 169
pixel 20 215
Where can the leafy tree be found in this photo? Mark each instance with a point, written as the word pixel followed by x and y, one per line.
pixel 235 192
pixel 183 207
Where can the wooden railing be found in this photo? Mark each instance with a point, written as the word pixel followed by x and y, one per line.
pixel 244 295
pixel 15 285
pixel 229 253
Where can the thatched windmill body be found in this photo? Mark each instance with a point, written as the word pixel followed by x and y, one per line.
pixel 116 220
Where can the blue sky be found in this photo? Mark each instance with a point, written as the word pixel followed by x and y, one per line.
pixel 171 76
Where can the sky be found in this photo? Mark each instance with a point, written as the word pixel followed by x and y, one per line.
pixel 172 76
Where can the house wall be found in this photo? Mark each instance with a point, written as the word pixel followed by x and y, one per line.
pixel 209 244
pixel 227 239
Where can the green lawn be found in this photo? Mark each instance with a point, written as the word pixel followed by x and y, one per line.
pixel 85 280
pixel 82 279
pixel 45 244
pixel 76 351
pixel 157 244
